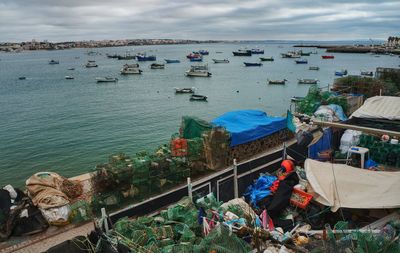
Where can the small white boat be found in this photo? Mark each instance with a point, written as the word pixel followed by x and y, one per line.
pixel 157 66
pixel 198 71
pixel 69 77
pixel 198 98
pixel 184 90
pixel 367 73
pixel 221 61
pixel 106 79
pixel 130 69
pixel 91 64
pixel 308 81
pixel 280 82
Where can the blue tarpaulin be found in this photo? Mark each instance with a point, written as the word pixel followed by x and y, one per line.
pixel 249 125
pixel 323 144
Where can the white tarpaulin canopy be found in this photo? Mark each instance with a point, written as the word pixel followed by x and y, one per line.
pixel 379 107
pixel 340 185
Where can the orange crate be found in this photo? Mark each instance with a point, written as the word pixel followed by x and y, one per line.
pixel 299 194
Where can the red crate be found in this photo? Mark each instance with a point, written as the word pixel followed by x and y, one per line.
pixel 303 195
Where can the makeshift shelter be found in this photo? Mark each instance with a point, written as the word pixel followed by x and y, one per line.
pixel 340 185
pixel 249 125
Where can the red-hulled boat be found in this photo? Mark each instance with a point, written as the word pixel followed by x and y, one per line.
pixel 193 55
pixel 328 57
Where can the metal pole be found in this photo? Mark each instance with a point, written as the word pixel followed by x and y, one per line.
pixel 284 151
pixel 104 219
pixel 235 180
pixel 189 186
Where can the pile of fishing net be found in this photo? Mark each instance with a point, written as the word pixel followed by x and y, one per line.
pixel 315 97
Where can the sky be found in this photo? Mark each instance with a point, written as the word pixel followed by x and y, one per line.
pixel 68 20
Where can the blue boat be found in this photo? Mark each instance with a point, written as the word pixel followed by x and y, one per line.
pixel 172 61
pixel 252 64
pixel 142 57
pixel 196 59
pixel 343 72
pixel 257 51
pixel 301 61
pixel 204 52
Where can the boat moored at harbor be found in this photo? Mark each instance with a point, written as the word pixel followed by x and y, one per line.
pixel 196 59
pixel 204 52
pixel 198 71
pixel 367 73
pixel 301 61
pixel 144 57
pixel 107 79
pixel 184 90
pixel 157 66
pixel 130 69
pixel 342 72
pixel 257 51
pixel 267 58
pixel 313 68
pixel 221 61
pixel 172 61
pixel 242 52
pixel 195 97
pixel 53 62
pixel 308 81
pixel 328 56
pixel 280 82
pixel 69 77
pixel 252 64
pixel 91 64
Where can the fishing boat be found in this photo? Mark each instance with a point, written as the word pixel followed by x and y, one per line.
pixel 291 55
pixel 69 77
pixel 281 82
pixel 301 61
pixel 91 64
pixel 221 61
pixel 296 99
pixel 242 52
pixel 22 78
pixel 367 73
pixel 71 69
pixel 267 58
pixel 218 52
pixel 184 90
pixel 112 56
pixel 126 57
pixel 171 61
pixel 198 71
pixel 157 66
pixel 308 81
pixel 106 79
pixel 305 53
pixel 195 97
pixel 342 72
pixel 257 51
pixel 204 52
pixel 252 64
pixel 130 69
pixel 196 59
pixel 328 56
pixel 144 57
pixel 193 55
pixel 52 62
pixel 313 68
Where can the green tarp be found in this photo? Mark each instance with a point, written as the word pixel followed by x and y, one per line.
pixel 193 127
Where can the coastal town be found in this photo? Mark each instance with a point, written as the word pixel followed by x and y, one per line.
pixel 46 45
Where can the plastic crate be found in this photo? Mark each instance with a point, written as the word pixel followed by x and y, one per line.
pixel 306 197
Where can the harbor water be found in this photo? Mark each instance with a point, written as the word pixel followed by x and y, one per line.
pixel 48 123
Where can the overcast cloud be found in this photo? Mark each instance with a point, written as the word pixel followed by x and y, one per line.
pixel 63 20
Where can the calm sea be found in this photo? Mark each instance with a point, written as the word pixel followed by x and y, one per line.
pixel 48 123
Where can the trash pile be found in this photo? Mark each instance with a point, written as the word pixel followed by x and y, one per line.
pixel 279 213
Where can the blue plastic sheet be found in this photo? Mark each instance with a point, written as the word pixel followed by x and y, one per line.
pixel 338 111
pixel 260 189
pixel 249 125
pixel 321 145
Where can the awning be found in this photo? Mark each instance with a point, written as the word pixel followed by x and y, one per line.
pixel 340 185
pixel 379 107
